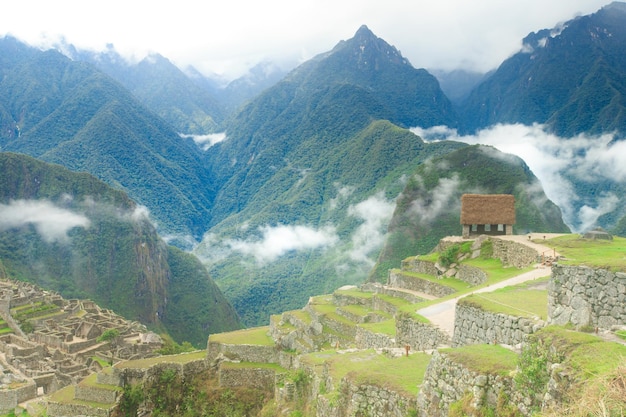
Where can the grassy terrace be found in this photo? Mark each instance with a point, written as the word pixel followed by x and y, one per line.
pixel 146 363
pixel 485 359
pixel 255 336
pixel 404 374
pixel 582 351
pixel 520 300
pixel 387 327
pixel 453 283
pixel 253 365
pixel 606 254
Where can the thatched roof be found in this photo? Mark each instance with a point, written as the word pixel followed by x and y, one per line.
pixel 487 209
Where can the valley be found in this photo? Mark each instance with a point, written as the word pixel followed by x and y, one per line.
pixel 298 231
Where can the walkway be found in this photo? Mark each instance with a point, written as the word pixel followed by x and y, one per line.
pixel 442 314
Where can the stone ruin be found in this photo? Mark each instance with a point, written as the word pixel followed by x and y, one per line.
pixel 62 345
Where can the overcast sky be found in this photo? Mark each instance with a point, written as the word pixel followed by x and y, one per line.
pixel 229 36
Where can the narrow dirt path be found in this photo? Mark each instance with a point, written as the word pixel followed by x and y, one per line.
pixel 442 314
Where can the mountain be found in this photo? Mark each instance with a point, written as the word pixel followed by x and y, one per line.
pixel 318 106
pixel 572 78
pixel 162 87
pixel 70 113
pixel 303 164
pixel 458 84
pixel 238 91
pixel 429 207
pixel 71 233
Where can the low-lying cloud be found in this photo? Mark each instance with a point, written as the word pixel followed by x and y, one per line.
pixel 51 222
pixel 443 198
pixel 369 236
pixel 205 141
pixel 555 161
pixel 274 242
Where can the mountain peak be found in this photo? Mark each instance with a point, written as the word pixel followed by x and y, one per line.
pixel 364 31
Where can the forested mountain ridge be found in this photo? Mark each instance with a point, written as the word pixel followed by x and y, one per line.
pixel 162 87
pixel 571 78
pixel 71 233
pixel 69 113
pixel 429 207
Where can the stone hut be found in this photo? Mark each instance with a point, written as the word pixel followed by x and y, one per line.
pixel 487 214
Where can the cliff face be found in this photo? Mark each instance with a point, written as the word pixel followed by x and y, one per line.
pixel 72 233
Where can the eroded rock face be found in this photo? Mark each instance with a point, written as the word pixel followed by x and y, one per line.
pixel 585 296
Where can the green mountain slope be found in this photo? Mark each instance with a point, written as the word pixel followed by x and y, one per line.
pixel 429 206
pixel 572 78
pixel 71 233
pixel 69 113
pixel 306 230
pixel 163 88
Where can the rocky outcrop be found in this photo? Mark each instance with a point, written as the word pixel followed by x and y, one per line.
pixel 586 296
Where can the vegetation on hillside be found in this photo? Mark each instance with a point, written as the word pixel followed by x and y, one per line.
pixel 72 233
pixel 429 207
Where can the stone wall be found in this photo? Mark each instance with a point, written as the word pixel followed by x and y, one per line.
pixel 470 274
pixel 56 409
pixel 244 353
pixel 446 382
pixel 473 325
pixel 95 394
pixel 414 264
pixel 399 280
pixel 513 253
pixel 419 336
pixel 374 401
pixel 259 378
pixel 10 398
pixel 585 296
pixel 366 339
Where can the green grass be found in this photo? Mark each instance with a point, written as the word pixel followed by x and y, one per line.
pixel 253 365
pixel 517 300
pixel 387 327
pixel 355 293
pixel 606 254
pixel 453 283
pixel 485 359
pixel 254 336
pixel 621 334
pixel 146 363
pixel 587 354
pixel 403 374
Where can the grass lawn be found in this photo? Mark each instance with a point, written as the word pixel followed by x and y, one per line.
pixel 404 374
pixel 387 327
pixel 254 336
pixel 606 254
pixel 146 363
pixel 586 353
pixel 519 300
pixel 485 359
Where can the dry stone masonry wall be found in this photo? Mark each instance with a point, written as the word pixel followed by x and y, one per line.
pixel 473 325
pixel 585 296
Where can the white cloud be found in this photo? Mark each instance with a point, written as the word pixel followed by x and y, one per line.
pixel 554 160
pixel 50 221
pixel 443 198
pixel 275 242
pixel 230 37
pixel 205 141
pixel 369 237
